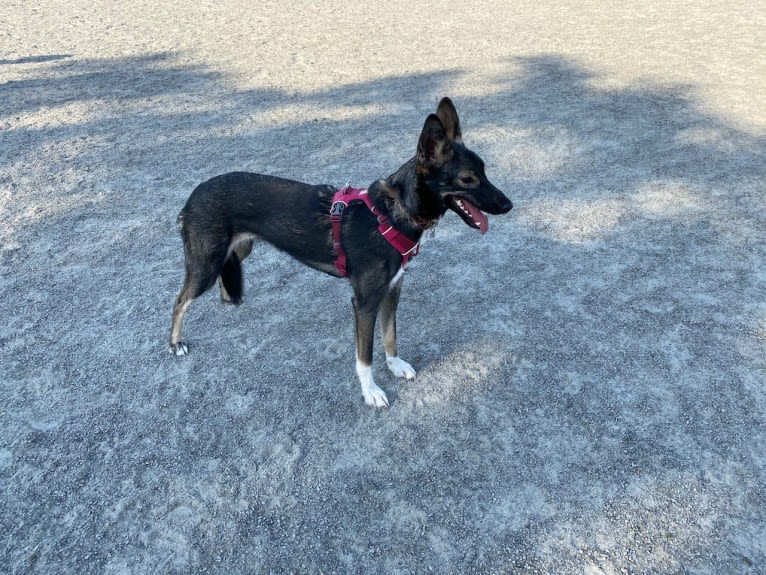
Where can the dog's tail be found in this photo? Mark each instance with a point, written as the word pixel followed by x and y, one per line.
pixel 231 280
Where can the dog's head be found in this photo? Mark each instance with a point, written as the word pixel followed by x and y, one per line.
pixel 453 174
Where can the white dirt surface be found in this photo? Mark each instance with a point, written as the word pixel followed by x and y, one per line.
pixel 591 396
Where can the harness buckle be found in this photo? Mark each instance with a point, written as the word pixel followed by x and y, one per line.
pixel 336 211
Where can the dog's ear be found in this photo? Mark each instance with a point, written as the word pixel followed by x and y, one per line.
pixel 448 116
pixel 434 147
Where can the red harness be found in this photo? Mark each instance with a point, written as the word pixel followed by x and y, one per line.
pixel 397 239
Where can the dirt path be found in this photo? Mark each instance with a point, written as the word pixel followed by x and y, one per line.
pixel 591 390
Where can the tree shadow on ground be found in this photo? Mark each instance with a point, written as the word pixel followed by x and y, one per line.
pixel 623 285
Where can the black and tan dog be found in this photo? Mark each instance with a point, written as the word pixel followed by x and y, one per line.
pixel 225 214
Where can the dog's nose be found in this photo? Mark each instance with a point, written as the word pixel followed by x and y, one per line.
pixel 506 206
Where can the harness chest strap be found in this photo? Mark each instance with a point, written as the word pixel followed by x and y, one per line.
pixel 400 242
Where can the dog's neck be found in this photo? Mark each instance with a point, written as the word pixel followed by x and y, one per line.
pixel 405 196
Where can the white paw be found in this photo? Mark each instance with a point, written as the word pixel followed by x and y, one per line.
pixel 178 349
pixel 400 368
pixel 374 396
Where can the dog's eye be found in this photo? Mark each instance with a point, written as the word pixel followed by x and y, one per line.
pixel 467 181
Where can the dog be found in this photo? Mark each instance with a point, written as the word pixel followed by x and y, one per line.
pixel 224 215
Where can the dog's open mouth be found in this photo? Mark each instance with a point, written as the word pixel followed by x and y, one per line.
pixel 471 215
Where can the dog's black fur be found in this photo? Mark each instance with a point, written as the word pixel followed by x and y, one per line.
pixel 226 213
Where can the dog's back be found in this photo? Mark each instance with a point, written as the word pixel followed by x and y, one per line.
pixel 237 206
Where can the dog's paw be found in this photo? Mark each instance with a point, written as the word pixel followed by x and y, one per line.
pixel 400 368
pixel 227 299
pixel 178 349
pixel 374 396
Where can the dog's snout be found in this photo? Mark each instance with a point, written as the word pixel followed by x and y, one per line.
pixel 499 201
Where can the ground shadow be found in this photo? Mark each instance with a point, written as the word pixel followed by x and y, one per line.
pixel 35 59
pixel 616 329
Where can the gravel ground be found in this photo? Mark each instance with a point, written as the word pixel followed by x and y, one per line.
pixel 591 392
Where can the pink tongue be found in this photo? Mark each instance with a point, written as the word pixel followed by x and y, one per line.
pixel 477 216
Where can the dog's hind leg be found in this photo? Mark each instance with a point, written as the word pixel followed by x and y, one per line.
pixel 396 365
pixel 230 280
pixel 365 313
pixel 201 274
pixel 178 347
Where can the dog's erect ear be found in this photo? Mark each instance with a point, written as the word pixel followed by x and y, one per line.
pixel 448 116
pixel 434 147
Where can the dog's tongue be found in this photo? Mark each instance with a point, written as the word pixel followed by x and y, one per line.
pixel 477 216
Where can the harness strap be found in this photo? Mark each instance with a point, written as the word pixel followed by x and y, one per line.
pixel 400 242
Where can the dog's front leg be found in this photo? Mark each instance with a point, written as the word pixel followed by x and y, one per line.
pixel 396 365
pixel 365 314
